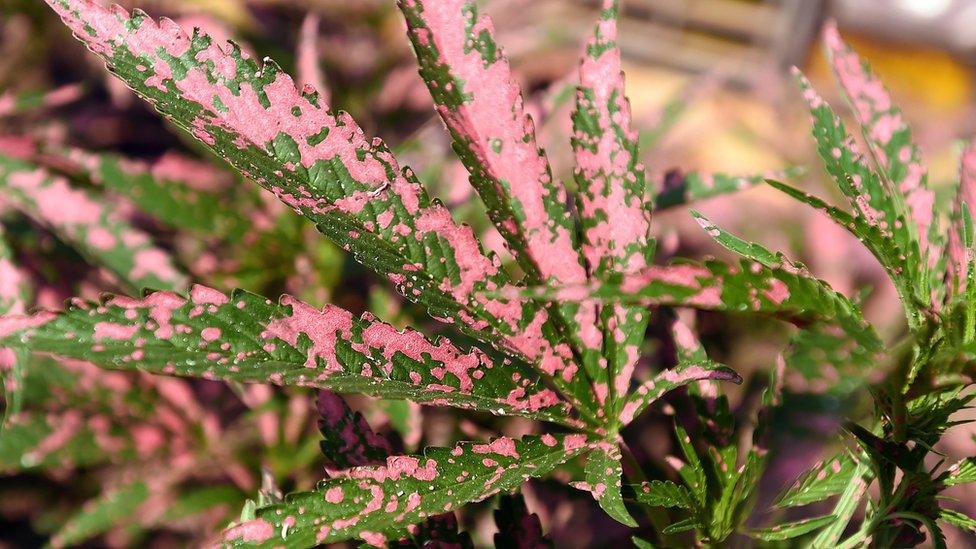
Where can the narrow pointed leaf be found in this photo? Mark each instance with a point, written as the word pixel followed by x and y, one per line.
pixel 102 513
pixel 664 493
pixel 477 97
pixel 320 164
pixel 879 244
pixel 15 291
pixel 603 474
pixel 826 478
pixel 957 519
pixel 691 471
pixel 868 194
pixel 307 57
pixel 378 503
pixel 682 525
pixel 962 472
pixel 158 193
pixel 790 530
pixel 844 509
pixel 668 380
pixel 960 254
pixel 244 337
pixel 852 324
pixel 13 103
pixel 887 134
pixel 614 208
pixel 678 189
pixel 89 224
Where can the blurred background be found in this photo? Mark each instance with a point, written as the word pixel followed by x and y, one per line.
pixel 711 92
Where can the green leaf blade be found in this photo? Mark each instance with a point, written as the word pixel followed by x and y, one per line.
pixel 377 503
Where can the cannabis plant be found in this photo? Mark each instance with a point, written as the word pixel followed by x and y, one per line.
pixel 554 336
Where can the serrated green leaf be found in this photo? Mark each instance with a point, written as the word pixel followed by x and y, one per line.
pixel 664 493
pixel 957 519
pixel 683 189
pixel 790 530
pixel 668 380
pixel 160 194
pixel 890 139
pixel 603 474
pixel 884 249
pixel 471 83
pixel 613 203
pixel 377 503
pixel 101 514
pixel 845 507
pixel 962 472
pixel 825 479
pixel 244 337
pixel 691 471
pixel 90 225
pixel 682 525
pixel 866 191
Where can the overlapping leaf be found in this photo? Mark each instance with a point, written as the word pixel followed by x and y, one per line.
pixel 474 91
pixel 377 503
pixel 159 193
pixel 867 193
pixel 320 164
pixel 614 208
pixel 89 224
pixel 959 248
pixel 825 479
pixel 794 529
pixel 889 138
pixel 244 337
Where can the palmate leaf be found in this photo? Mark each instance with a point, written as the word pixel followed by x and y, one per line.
pixel 826 478
pixel 790 530
pixel 867 193
pixel 472 86
pixel 889 138
pixel 320 164
pixel 614 206
pixel 377 503
pixel 89 224
pixel 244 337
